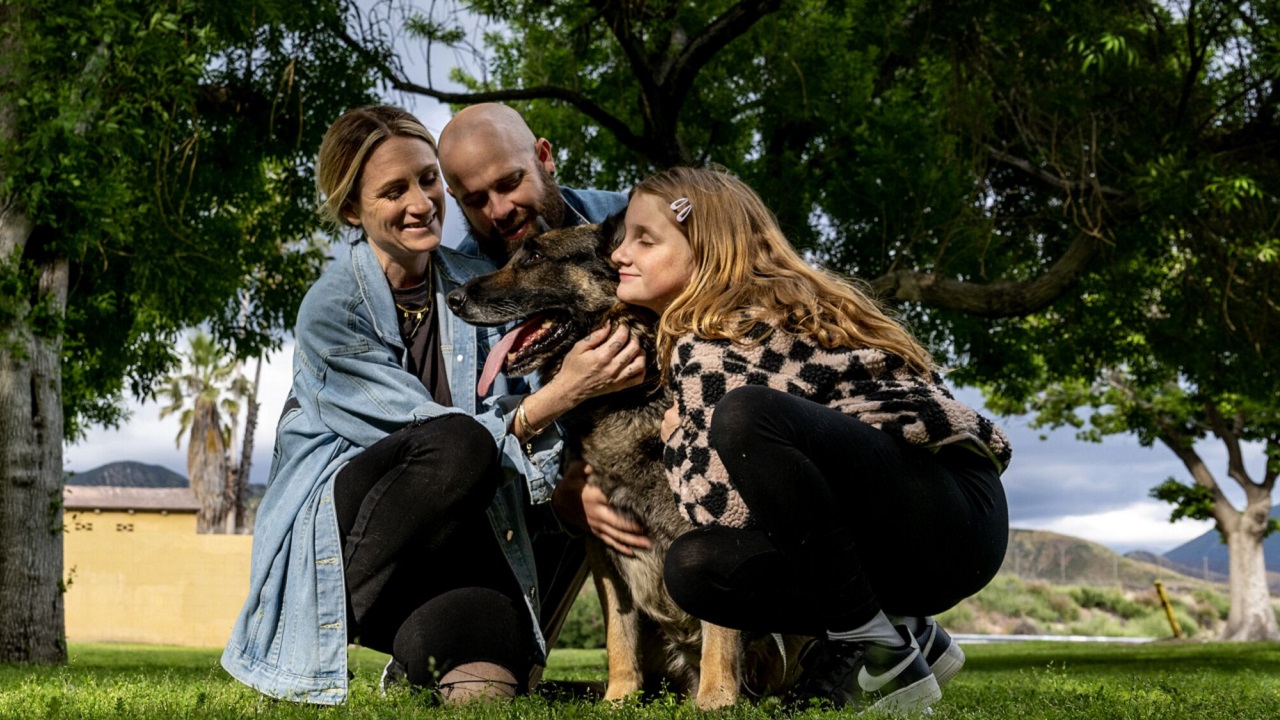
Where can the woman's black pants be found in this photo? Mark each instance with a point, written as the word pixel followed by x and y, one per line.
pixel 847 521
pixel 426 578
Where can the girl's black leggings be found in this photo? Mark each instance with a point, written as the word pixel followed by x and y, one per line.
pixel 426 578
pixel 849 520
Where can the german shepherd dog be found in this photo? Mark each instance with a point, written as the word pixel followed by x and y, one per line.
pixel 562 283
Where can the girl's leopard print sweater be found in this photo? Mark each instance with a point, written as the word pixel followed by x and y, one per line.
pixel 872 385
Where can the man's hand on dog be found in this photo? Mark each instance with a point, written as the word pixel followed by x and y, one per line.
pixel 579 503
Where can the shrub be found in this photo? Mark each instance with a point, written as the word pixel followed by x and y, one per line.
pixel 1157 625
pixel 1098 623
pixel 958 619
pixel 1208 597
pixel 1064 608
pixel 1205 614
pixel 1025 627
pixel 584 628
pixel 1037 600
pixel 1111 600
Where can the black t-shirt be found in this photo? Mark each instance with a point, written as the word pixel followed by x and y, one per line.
pixel 420 330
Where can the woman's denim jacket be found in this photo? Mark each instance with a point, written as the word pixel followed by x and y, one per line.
pixel 350 389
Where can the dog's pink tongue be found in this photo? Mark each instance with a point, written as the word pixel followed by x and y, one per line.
pixel 498 355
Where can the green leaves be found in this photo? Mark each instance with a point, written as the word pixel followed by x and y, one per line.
pixel 1230 194
pixel 164 151
pixel 1189 501
pixel 1098 51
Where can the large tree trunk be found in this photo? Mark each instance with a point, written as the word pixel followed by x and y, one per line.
pixel 1251 616
pixel 207 467
pixel 32 624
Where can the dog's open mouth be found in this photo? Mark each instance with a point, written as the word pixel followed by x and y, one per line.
pixel 520 351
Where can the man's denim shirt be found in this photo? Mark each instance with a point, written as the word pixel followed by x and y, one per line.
pixel 350 389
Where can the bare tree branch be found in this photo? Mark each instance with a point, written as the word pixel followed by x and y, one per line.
pixel 541 92
pixel 620 25
pixel 734 23
pixel 1050 178
pixel 992 300
pixel 1200 473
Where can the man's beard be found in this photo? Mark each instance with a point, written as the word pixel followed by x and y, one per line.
pixel 551 207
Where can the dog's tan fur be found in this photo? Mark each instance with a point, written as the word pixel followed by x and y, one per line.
pixel 565 276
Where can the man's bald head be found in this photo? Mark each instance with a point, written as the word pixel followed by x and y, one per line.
pixel 489 124
pixel 501 175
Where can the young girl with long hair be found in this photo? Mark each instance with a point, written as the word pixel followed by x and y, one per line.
pixel 837 488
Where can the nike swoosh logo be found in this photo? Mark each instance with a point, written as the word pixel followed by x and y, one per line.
pixel 933 635
pixel 871 683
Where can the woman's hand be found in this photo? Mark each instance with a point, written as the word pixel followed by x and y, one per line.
pixel 579 503
pixel 670 421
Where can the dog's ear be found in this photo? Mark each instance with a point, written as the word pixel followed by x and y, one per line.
pixel 611 233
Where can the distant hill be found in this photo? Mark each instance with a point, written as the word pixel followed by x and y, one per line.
pixel 1066 560
pixel 1209 549
pixel 1162 561
pixel 129 474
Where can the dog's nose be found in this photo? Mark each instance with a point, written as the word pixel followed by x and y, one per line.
pixel 456 299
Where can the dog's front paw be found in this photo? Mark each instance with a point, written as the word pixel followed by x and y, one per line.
pixel 617 692
pixel 715 698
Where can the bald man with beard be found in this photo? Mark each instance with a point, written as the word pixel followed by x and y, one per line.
pixel 503 178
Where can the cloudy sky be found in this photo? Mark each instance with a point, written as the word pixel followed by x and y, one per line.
pixel 1093 491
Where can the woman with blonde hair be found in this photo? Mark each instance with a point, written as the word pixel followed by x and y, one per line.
pixel 394 515
pixel 837 488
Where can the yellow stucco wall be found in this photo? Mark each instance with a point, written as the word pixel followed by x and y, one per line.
pixel 147 577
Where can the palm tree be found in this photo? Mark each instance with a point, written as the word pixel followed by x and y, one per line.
pixel 211 380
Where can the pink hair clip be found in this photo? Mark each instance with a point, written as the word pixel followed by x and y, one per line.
pixel 682 206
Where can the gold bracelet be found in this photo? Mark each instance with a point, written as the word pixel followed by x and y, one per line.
pixel 529 430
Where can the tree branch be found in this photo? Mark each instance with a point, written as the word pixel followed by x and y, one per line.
pixel 606 120
pixel 1231 438
pixel 1272 466
pixel 734 23
pixel 992 300
pixel 619 24
pixel 1195 62
pixel 1050 178
pixel 1199 472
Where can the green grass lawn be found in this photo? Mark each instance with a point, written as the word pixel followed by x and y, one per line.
pixel 1023 681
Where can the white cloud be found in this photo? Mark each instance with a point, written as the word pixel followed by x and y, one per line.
pixel 1141 526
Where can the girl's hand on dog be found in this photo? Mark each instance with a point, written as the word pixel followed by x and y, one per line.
pixel 580 503
pixel 605 361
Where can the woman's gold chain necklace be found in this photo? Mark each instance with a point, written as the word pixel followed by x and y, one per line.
pixel 419 314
